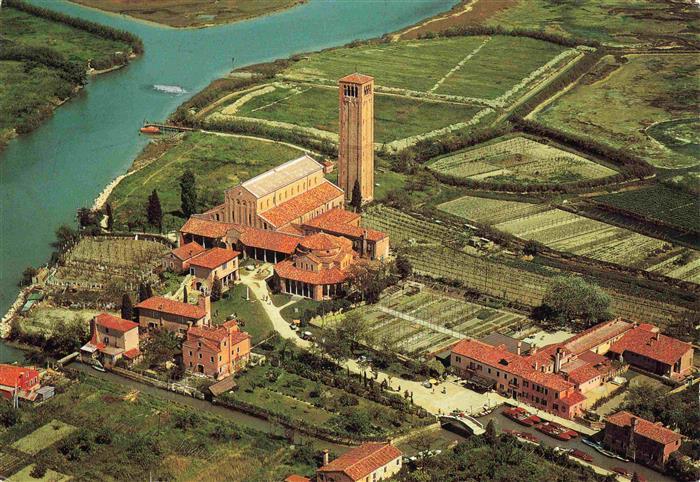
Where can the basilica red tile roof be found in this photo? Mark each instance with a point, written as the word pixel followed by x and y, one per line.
pixel 323 242
pixel 188 250
pixel 214 257
pixel 115 323
pixel 206 227
pixel 286 269
pixel 274 241
pixel 359 462
pixel 645 428
pixel 173 307
pixel 642 341
pixel 12 375
pixel 339 221
pixel 335 216
pixel 302 204
pixel 356 78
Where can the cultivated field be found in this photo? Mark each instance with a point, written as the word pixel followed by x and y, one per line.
pixel 219 162
pixel 672 206
pixel 643 106
pixel 490 211
pixel 519 159
pixel 429 321
pixel 43 437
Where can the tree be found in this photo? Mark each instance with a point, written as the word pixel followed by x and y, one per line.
pixel 9 416
pixel 356 201
pixel 188 194
pixel 127 307
pixel 154 212
pixel 571 298
pixel 184 294
pixel 110 216
pixel 143 292
pixel 27 275
pixel 403 266
pixel 491 436
pixel 342 339
pixel 65 238
pixel 216 289
pixel 38 470
pixel 161 348
pixel 370 279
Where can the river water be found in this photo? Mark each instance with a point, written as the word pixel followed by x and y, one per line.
pixel 47 175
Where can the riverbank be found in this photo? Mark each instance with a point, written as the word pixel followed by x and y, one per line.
pixel 188 15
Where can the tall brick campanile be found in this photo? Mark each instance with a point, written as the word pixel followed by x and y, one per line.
pixel 356 146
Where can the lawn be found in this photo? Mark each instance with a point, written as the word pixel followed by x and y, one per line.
pixel 189 13
pixel 495 65
pixel 43 318
pixel 295 310
pixel 145 436
pixel 43 437
pixel 219 162
pixel 317 107
pixel 632 107
pixel 24 475
pixel 616 22
pixel 256 321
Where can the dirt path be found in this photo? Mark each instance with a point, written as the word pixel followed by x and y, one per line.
pixel 459 65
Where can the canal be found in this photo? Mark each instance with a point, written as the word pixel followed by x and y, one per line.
pixel 47 175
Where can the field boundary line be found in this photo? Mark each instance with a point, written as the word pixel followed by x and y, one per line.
pixel 418 321
pixel 459 65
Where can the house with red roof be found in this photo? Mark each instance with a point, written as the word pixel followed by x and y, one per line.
pixel 212 264
pixel 112 339
pixel 178 259
pixel 640 440
pixel 645 348
pixel 368 462
pixel 20 381
pixel 216 352
pixel 158 312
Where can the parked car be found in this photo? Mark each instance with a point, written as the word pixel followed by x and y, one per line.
pixel 294 327
pixel 427 384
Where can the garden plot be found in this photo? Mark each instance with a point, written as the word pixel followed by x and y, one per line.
pixel 404 228
pixel 43 437
pixel 490 211
pixel 520 159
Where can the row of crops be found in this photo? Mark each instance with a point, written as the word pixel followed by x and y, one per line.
pixel 490 211
pixel 521 158
pixel 406 228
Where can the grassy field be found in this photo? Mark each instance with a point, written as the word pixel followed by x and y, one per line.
pixel 519 159
pixel 219 162
pixel 491 66
pixel 43 437
pixel 256 321
pixel 617 22
pixel 625 108
pixel 661 203
pixel 192 13
pixel 44 317
pixel 317 107
pixel 145 439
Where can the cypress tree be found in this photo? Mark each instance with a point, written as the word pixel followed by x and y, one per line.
pixel 216 289
pixel 127 307
pixel 184 294
pixel 143 294
pixel 188 194
pixel 154 211
pixel 356 200
pixel 110 216
pixel 149 291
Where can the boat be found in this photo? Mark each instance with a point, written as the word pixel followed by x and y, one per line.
pixel 150 130
pixel 523 435
pixel 521 416
pixel 622 471
pixel 590 443
pixel 554 430
pixel 579 454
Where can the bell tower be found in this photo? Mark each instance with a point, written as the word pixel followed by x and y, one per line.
pixel 356 143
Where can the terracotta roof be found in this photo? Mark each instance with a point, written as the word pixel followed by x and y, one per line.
pixel 218 334
pixel 499 357
pixel 115 323
pixel 296 478
pixel 282 175
pixel 286 269
pixel 584 374
pixel 596 335
pixel 321 242
pixel 238 337
pixel 292 229
pixel 645 428
pixel 188 250
pixel 338 221
pixel 359 462
pixel 173 307
pixel 10 374
pixel 133 353
pixel 644 342
pixel 304 203
pixel 357 78
pixel 206 227
pixel 335 216
pixel 214 257
pixel 574 398
pixel 260 238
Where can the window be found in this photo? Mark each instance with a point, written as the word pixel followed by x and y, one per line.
pixel 219 357
pixel 200 356
pixel 212 359
pixel 190 352
pixel 191 270
pixel 526 384
pixel 556 407
pixel 458 358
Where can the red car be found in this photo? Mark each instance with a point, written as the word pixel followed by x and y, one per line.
pixel 581 455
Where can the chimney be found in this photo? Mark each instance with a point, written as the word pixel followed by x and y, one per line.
pixel 557 360
pixel 92 326
pixel 325 457
pixel 520 345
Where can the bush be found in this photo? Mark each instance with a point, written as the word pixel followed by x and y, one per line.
pixel 38 471
pixel 9 416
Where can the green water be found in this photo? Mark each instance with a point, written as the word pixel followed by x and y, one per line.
pixel 47 175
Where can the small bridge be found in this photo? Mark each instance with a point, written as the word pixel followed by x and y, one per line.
pixel 462 425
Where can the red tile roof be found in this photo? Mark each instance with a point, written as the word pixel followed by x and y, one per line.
pixel 359 462
pixel 115 323
pixel 304 203
pixel 217 334
pixel 335 216
pixel 188 250
pixel 645 428
pixel 574 398
pixel 173 307
pixel 206 228
pixel 260 238
pixel 338 221
pixel 10 375
pixel 322 242
pixel 596 335
pixel 357 78
pixel 296 478
pixel 642 341
pixel 286 269
pixel 238 337
pixel 133 353
pixel 214 257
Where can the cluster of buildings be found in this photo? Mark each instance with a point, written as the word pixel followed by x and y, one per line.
pixel 557 378
pixel 293 216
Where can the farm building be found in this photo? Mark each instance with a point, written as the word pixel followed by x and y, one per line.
pixel 158 312
pixel 369 461
pixel 216 352
pixel 111 339
pixel 640 440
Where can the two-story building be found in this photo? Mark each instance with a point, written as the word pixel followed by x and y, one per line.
pixel 211 264
pixel 178 260
pixel 158 312
pixel 112 338
pixel 640 440
pixel 22 382
pixel 216 351
pixel 369 462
